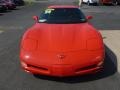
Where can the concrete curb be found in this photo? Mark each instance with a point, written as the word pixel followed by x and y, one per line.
pixel 111 41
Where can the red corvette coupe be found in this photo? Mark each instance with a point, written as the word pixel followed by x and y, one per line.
pixel 62 43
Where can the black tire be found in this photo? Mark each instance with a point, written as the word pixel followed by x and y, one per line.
pixel 115 3
pixel 3 9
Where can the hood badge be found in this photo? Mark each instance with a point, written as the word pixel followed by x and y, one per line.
pixel 61 56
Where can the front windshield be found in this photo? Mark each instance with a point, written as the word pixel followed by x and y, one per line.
pixel 62 15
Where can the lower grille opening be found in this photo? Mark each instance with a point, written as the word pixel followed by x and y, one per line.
pixel 38 67
pixel 86 68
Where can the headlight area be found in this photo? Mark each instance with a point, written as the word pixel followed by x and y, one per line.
pixel 94 44
pixel 29 44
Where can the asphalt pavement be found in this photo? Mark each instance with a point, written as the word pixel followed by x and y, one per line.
pixel 12 26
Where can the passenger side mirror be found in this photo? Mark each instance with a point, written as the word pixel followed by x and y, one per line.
pixel 89 17
pixel 35 18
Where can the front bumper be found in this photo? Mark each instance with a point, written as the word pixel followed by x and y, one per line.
pixel 73 64
pixel 62 70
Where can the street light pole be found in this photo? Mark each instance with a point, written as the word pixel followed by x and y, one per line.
pixel 80 3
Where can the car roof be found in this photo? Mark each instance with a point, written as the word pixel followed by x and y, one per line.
pixel 63 6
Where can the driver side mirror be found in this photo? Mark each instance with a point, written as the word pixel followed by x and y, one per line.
pixel 35 18
pixel 89 17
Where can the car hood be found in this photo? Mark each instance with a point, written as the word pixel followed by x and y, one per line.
pixel 60 37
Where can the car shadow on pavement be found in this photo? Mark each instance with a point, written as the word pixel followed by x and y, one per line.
pixel 110 68
pixel 1 14
pixel 16 9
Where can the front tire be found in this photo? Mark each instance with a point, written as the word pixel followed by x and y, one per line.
pixel 3 9
pixel 115 3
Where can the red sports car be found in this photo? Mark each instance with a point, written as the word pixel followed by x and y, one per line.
pixel 62 43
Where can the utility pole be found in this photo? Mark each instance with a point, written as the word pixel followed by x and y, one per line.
pixel 80 3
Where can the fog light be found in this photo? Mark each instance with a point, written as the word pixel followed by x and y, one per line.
pixel 24 64
pixel 27 71
pixel 98 58
pixel 100 63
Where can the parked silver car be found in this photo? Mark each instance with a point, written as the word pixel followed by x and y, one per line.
pixel 90 2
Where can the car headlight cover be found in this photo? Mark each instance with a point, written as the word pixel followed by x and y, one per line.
pixel 29 44
pixel 94 44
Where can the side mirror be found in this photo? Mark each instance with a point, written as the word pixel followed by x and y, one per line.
pixel 89 17
pixel 35 18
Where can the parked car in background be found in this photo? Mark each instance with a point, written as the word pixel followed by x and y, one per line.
pixel 110 2
pixel 116 2
pixel 105 2
pixel 101 2
pixel 3 6
pixel 91 2
pixel 18 2
pixel 10 4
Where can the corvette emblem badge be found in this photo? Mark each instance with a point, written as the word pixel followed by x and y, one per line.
pixel 61 56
